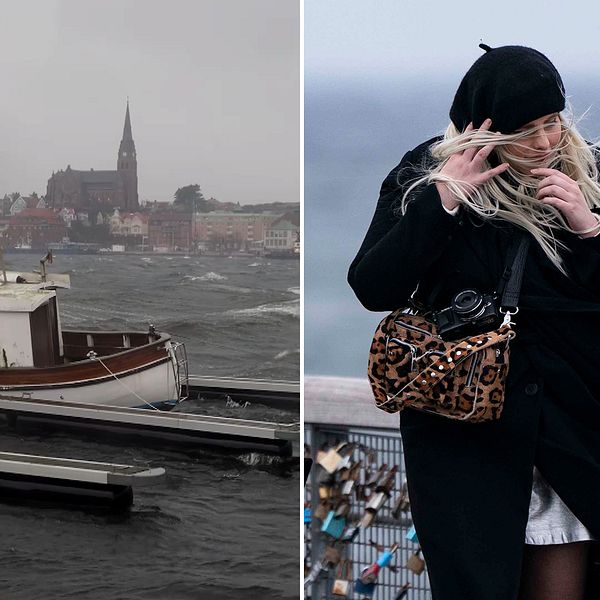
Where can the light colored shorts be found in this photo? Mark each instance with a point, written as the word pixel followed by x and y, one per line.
pixel 550 520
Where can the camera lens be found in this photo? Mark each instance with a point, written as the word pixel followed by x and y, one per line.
pixel 467 302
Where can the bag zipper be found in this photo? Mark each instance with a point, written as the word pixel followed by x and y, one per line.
pixel 418 329
pixel 471 373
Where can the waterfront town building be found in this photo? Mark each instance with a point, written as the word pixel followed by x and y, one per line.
pixel 170 229
pixel 129 224
pixel 283 235
pixel 15 203
pixel 99 190
pixel 34 228
pixel 223 230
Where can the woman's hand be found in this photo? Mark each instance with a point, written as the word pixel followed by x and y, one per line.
pixel 560 191
pixel 468 166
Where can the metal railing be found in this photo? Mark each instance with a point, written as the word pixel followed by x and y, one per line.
pixel 377 445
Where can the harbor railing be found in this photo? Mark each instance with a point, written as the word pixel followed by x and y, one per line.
pixel 340 417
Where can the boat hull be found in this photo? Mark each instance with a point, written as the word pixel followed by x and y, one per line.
pixel 142 376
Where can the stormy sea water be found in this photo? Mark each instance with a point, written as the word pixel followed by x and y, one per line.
pixel 222 524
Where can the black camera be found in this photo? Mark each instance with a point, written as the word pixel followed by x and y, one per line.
pixel 470 313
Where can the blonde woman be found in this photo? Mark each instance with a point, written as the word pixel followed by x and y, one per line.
pixel 508 509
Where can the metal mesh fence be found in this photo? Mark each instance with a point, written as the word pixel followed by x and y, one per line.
pixel 391 524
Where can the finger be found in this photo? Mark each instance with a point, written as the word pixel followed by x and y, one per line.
pixel 469 127
pixel 485 126
pixel 481 156
pixel 556 202
pixel 563 182
pixel 554 190
pixel 487 175
pixel 545 171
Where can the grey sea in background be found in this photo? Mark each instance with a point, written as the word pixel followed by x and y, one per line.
pixel 356 131
pixel 223 524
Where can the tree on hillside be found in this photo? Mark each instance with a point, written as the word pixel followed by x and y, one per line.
pixel 190 197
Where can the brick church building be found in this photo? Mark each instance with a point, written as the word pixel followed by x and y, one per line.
pixel 99 190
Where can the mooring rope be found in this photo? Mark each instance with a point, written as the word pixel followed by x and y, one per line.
pixel 91 354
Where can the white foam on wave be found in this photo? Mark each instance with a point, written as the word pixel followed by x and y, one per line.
pixel 255 264
pixel 285 353
pixel 290 308
pixel 210 276
pixel 294 290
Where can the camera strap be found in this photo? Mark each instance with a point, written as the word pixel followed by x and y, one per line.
pixel 509 288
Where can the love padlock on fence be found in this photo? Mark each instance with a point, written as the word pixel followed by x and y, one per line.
pixel 415 563
pixel 329 459
pixel 402 592
pixel 341 584
pixel 334 526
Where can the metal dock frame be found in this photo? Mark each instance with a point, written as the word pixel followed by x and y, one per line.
pixel 31 478
pixel 173 426
pixel 275 393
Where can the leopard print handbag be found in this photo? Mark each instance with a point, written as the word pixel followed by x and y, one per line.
pixel 410 365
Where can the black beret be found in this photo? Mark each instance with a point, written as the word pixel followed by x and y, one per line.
pixel 512 85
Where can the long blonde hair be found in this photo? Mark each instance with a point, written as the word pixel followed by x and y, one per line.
pixel 511 195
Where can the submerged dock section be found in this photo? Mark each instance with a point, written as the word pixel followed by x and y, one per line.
pixel 270 392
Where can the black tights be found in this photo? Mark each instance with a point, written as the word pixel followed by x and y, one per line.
pixel 554 572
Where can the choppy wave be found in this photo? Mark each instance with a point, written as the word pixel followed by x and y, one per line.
pixel 290 308
pixel 294 290
pixel 212 276
pixel 285 353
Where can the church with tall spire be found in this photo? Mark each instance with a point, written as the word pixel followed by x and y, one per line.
pixel 99 190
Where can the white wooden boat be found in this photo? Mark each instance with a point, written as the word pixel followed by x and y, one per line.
pixel 38 359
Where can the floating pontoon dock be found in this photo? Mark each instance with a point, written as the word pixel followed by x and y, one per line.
pixel 84 483
pixel 279 394
pixel 167 426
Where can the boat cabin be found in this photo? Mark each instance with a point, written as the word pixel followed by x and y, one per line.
pixel 30 334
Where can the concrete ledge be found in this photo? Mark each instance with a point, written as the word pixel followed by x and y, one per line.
pixel 344 401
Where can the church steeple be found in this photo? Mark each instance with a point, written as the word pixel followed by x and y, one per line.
pixel 127 163
pixel 127 127
pixel 127 147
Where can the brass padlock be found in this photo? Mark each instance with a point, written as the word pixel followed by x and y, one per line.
pixel 376 501
pixel 332 556
pixel 367 519
pixel 330 460
pixel 341 584
pixel 374 478
pixel 343 509
pixel 347 487
pixel 415 563
pixel 402 502
pixel 321 511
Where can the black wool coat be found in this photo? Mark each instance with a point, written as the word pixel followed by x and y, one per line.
pixel 470 484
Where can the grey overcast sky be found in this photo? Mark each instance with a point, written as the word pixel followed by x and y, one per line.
pixel 214 91
pixel 395 38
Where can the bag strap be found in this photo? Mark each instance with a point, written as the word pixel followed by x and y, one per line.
pixel 509 287
pixel 512 277
pixel 446 363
